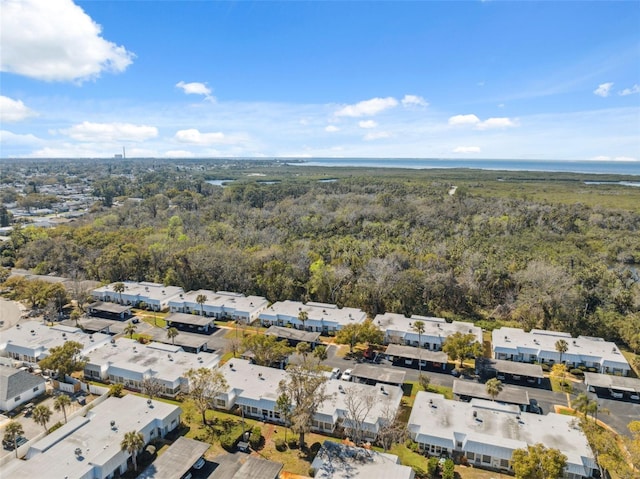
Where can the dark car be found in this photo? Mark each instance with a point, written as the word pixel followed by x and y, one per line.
pixel 9 445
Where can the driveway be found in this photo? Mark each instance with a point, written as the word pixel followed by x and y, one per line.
pixel 10 312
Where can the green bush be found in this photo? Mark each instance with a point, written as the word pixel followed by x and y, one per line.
pixel 432 467
pixel 280 445
pixel 412 446
pixel 116 390
pixel 228 441
pixel 420 473
pixel 256 440
pixel 545 367
pixel 448 469
pixel 57 425
pixel 577 372
pixel 292 443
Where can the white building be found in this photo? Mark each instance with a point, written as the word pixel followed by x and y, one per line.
pixel 487 433
pixel 220 305
pixel 129 363
pixel 255 389
pixel 18 387
pixel 30 341
pixel 398 329
pixel 513 344
pixel 89 447
pixel 323 318
pixel 154 295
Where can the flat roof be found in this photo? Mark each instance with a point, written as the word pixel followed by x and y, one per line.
pixel 223 300
pixel 609 381
pixel 433 327
pixel 190 340
pixel 176 460
pixel 510 367
pixel 412 352
pixel 255 468
pixel 316 311
pixel 509 394
pixel 141 290
pixel 192 319
pixel 378 373
pixel 93 324
pixel 293 334
pixel 109 307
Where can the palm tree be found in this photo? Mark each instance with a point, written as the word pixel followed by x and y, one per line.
pixel 172 333
pixel 12 432
pixel 493 387
pixel 119 288
pixel 201 299
pixel 418 327
pixel 41 415
pixel 562 347
pixel 130 329
pixel 303 316
pixel 132 443
pixel 61 403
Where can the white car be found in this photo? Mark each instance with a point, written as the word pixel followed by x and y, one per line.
pixel 199 463
pixel 335 373
pixel 346 375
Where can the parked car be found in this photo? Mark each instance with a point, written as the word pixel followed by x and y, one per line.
pixel 9 445
pixel 199 463
pixel 616 394
pixel 335 373
pixel 346 375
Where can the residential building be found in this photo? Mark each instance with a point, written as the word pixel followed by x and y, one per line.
pixel 487 433
pixel 321 317
pixel 220 305
pixel 89 447
pixel 339 461
pixel 513 344
pixel 30 341
pixel 153 296
pixel 18 387
pixel 254 389
pixel 398 329
pixel 130 363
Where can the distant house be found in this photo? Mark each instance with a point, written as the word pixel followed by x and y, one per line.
pixel 398 329
pixel 18 387
pixel 487 433
pixel 220 305
pixel 321 317
pixel 514 344
pixel 155 296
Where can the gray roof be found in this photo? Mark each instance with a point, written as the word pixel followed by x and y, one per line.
pixel 255 468
pixel 293 334
pixel 109 307
pixel 378 374
pixel 619 383
pixel 509 394
pixel 415 353
pixel 14 382
pixel 184 318
pixel 184 339
pixel 176 460
pixel 92 324
pixel 510 367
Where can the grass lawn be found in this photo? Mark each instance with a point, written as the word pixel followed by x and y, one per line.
pixel 557 387
pixel 631 359
pixel 408 457
pixel 468 472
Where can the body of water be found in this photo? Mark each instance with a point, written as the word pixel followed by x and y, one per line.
pixel 595 167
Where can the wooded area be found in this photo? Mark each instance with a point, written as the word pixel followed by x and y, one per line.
pixel 529 249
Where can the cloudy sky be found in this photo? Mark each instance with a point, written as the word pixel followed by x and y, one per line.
pixel 492 79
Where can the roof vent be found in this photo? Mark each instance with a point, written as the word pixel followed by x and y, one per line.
pixel 340 388
pixel 17 326
pixel 113 425
pixel 475 413
pixel 64 335
pixel 149 403
pixel 574 342
pixel 260 375
pixel 170 358
pixel 34 332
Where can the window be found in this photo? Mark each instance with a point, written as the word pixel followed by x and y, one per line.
pixel 459 444
pixel 17 399
pixel 471 456
pixel 504 463
pixel 36 389
pixel 486 459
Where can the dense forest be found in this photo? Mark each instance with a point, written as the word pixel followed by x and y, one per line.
pixel 534 250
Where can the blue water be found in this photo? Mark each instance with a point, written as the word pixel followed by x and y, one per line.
pixel 596 167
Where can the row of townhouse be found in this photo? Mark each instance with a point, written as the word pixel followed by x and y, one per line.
pixel 486 433
pixel 539 346
pixel 254 389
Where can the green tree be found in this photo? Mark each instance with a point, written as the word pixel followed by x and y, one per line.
pixel 303 317
pixel 204 385
pixel 459 346
pixel 266 350
pixel 562 347
pixel 320 353
pixel 130 329
pixel 64 359
pixel 12 432
pixel 303 348
pixel 424 381
pixel 41 415
pixel 365 332
pixel 418 327
pixel 61 403
pixel 538 462
pixel 201 299
pixel 284 407
pixel 493 387
pixel 133 442
pixel 119 288
pixel 172 333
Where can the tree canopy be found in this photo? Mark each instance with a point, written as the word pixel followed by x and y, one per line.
pixel 64 359
pixel 459 346
pixel 538 462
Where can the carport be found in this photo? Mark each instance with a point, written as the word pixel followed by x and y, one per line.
pixel 615 385
pixel 509 370
pixel 370 374
pixel 193 323
pixel 110 310
pixel 294 336
pixel 509 395
pixel 406 355
pixel 176 460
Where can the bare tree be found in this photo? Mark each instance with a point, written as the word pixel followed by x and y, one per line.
pixel 204 385
pixel 152 387
pixel 391 430
pixel 358 406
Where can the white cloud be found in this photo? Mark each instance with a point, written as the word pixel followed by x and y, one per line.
pixel 367 124
pixel 88 131
pixel 464 120
pixel 13 110
pixel 625 158
pixel 195 137
pixel 331 128
pixel 466 149
pixel 414 100
pixel 55 40
pixel 491 123
pixel 377 135
pixel 195 88
pixel 630 91
pixel 178 154
pixel 10 138
pixel 368 107
pixel 603 90
pixel 600 158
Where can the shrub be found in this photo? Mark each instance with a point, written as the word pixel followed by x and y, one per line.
pixel 57 425
pixel 292 443
pixel 432 467
pixel 255 439
pixel 420 473
pixel 280 445
pixel 116 390
pixel 448 469
pixel 412 445
pixel 577 372
pixel 228 441
pixel 545 367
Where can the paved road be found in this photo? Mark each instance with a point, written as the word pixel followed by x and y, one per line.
pixel 10 312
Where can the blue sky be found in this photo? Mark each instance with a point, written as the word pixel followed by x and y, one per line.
pixel 492 79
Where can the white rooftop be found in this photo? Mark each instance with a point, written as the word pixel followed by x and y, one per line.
pixel 255 382
pixel 222 299
pixel 432 326
pixel 316 312
pixel 163 361
pixel 144 289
